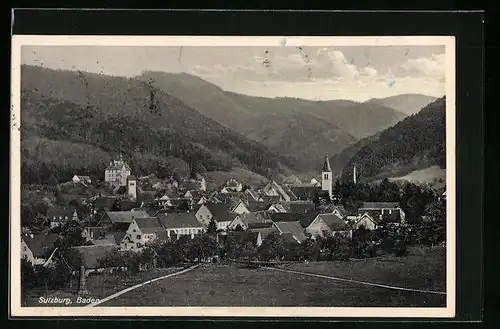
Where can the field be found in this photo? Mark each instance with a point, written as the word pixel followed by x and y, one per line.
pixel 99 286
pixel 232 285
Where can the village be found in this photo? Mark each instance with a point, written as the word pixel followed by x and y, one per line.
pixel 146 216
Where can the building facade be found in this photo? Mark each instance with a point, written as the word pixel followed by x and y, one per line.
pixel 117 172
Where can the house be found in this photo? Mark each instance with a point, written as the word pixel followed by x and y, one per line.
pixel 383 207
pixel 202 200
pixel 339 211
pixel 81 179
pixel 282 192
pixel 179 224
pixel 117 172
pixel 306 191
pixel 264 231
pixel 141 231
pixel 314 182
pixel 192 194
pixel 298 206
pixel 373 214
pixel 294 228
pixel 372 219
pixel 248 220
pixel 121 220
pixel 254 206
pixel 328 225
pixel 97 258
pixel 219 212
pixel 94 232
pixel 242 238
pixel 277 208
pixel 59 216
pixel 232 185
pixel 240 208
pixel 37 248
pixel 252 195
pixel 303 218
pixel 114 238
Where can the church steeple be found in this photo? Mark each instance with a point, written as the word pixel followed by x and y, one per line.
pixel 326 177
pixel 326 165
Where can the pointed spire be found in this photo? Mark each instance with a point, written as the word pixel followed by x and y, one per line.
pixel 326 165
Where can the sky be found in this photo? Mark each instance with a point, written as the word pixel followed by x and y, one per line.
pixel 355 73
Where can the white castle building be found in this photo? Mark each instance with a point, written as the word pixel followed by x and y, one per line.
pixel 117 172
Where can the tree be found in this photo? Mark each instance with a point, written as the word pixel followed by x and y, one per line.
pixel 212 226
pixel 132 261
pixel 363 245
pixel 71 235
pixel 311 249
pixel 393 239
pixel 111 259
pixel 336 247
pixel 432 230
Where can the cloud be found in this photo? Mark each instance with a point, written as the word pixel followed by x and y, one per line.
pixel 432 66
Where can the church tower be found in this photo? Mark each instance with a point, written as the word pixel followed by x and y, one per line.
pixel 132 188
pixel 326 177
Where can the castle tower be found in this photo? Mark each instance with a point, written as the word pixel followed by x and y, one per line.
pixel 132 187
pixel 326 177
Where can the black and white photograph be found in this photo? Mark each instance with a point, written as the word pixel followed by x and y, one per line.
pixel 233 176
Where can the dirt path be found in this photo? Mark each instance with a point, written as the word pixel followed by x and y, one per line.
pixel 356 281
pixel 140 285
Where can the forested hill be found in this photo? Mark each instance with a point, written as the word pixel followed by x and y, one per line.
pixel 296 128
pixel 106 115
pixel 416 142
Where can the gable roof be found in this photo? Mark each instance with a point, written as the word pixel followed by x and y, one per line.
pixel 254 206
pixel 299 206
pixel 116 237
pixel 279 207
pixel 220 212
pixel 341 210
pixel 40 244
pixel 179 220
pixel 305 191
pixel 102 241
pixel 125 216
pixel 92 254
pixel 264 231
pixel 379 217
pixel 252 218
pixel 244 236
pixel 334 222
pixel 253 194
pixel 304 219
pixel 149 224
pixel 291 227
pixel 380 205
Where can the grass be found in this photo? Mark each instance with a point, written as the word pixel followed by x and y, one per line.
pixel 219 285
pixel 99 286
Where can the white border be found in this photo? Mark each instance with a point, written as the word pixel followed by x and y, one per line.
pixel 313 312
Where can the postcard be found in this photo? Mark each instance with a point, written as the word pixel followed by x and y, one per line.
pixel 224 176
